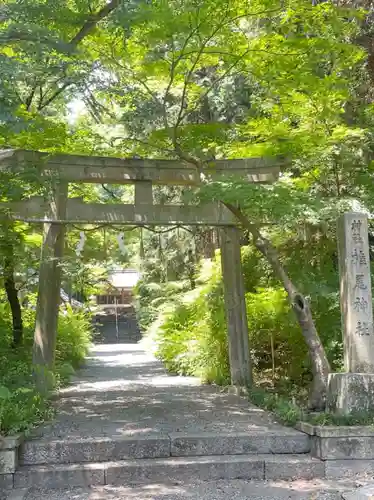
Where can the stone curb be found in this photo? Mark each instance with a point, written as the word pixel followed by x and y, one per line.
pixel 9 453
pixel 335 430
pixel 11 442
pixel 341 443
pixel 305 427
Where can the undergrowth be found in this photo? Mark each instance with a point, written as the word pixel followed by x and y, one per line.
pixel 290 413
pixel 190 336
pixel 287 413
pixel 361 418
pixel 21 405
pixel 187 328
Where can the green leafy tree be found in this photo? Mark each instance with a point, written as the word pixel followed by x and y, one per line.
pixel 297 60
pixel 201 81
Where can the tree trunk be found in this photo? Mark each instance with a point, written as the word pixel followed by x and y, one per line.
pixel 15 306
pixel 320 364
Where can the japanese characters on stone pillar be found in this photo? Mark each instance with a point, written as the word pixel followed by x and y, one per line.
pixel 355 293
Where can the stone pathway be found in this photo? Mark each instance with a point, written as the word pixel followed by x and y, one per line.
pixel 124 391
pixel 128 331
pixel 123 395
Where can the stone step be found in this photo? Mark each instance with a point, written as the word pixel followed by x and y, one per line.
pixel 65 451
pixel 194 490
pixel 39 452
pixel 172 470
pixel 265 442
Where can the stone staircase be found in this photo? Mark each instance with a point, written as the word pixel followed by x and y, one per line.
pixel 125 423
pixel 168 458
pixel 128 331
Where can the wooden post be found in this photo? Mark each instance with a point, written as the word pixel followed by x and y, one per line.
pixel 236 313
pixel 49 288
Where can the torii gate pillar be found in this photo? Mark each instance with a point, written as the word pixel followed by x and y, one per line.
pixel 236 312
pixel 49 288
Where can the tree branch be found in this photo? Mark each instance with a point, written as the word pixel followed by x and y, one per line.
pixel 58 92
pixel 30 97
pixel 93 20
pixel 174 63
pixel 219 79
pixel 86 29
pixel 22 285
pixel 110 192
pixel 190 73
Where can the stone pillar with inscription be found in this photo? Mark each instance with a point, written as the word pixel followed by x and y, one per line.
pixel 353 391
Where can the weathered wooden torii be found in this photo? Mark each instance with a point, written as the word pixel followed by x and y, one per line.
pixel 56 211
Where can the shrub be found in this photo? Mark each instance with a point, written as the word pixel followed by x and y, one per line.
pixel 21 406
pixel 150 298
pixel 74 338
pixel 22 409
pixel 190 333
pixel 275 337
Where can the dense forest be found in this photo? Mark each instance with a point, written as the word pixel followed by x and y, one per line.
pixel 193 81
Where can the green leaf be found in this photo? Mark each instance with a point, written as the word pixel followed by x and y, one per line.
pixel 5 393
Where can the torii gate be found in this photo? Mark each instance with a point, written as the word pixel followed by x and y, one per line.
pixel 56 211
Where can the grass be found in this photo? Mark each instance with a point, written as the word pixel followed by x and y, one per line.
pixel 289 413
pixel 362 418
pixel 286 412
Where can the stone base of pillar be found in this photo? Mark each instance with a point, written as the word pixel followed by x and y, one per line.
pixel 350 393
